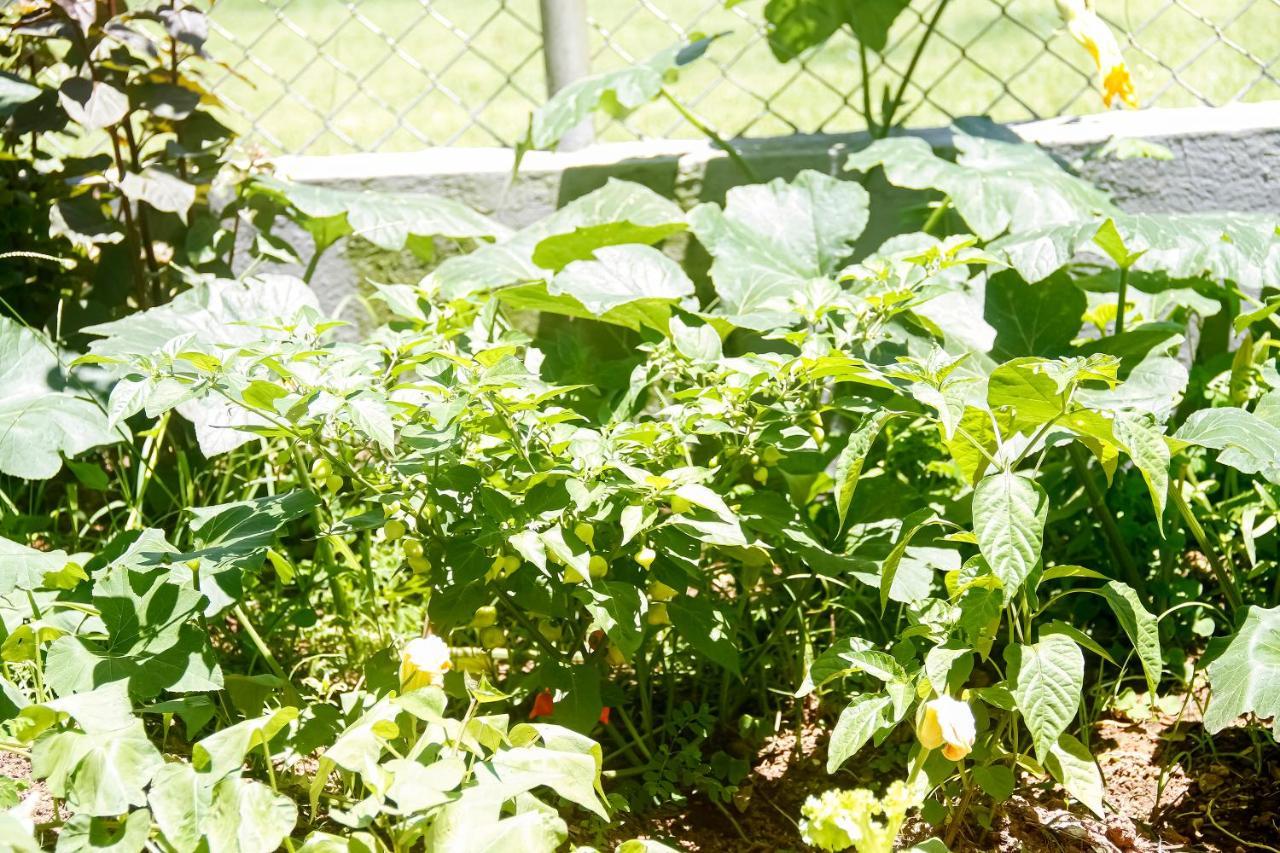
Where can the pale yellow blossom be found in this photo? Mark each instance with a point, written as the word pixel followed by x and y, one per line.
pixel 1096 37
pixel 423 662
pixel 947 723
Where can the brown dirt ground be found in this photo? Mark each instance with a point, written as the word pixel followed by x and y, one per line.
pixel 1169 788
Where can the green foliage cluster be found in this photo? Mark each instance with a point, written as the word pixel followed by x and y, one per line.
pixel 653 509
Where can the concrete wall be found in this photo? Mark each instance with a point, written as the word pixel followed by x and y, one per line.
pixel 1224 159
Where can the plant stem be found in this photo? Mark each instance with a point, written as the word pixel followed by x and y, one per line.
pixel 1229 589
pixel 887 123
pixel 1121 300
pixel 706 131
pixel 274 665
pixel 867 115
pixel 1098 500
pixel 936 216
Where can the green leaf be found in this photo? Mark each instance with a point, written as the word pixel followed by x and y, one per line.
pixel 996 781
pixel 1246 441
pixel 995 186
pixel 248 817
pixel 83 834
pixel 40 421
pixel 224 751
pixel 26 568
pixel 567 762
pixel 849 464
pixel 911 525
pixel 858 722
pixel 94 104
pixel 1048 681
pixel 387 220
pixel 706 627
pixel 1009 512
pixel 181 799
pixel 616 93
pixel 1245 678
pixel 615 213
pixel 159 189
pixel 770 239
pixel 797 25
pixel 1234 247
pixel 615 609
pixel 14 92
pixel 846 657
pixel 211 317
pixel 1070 762
pixel 1140 625
pixel 619 275
pixel 1040 319
pixel 1149 451
pixel 100 774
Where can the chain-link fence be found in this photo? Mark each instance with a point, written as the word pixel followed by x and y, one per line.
pixel 327 76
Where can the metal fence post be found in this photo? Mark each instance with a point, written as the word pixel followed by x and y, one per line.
pixel 566 55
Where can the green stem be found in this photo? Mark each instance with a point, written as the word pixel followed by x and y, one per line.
pixel 887 123
pixel 1229 589
pixel 1098 500
pixel 1122 299
pixel 867 115
pixel 274 665
pixel 936 216
pixel 706 131
pixel 151 456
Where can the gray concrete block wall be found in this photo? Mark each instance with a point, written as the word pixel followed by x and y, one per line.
pixel 1224 159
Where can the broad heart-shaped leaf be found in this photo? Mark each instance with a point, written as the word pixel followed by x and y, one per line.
pixel 246 816
pixel 1048 680
pixel 620 275
pixel 40 421
pixel 85 834
pixel 849 464
pixel 566 762
pixel 93 104
pixel 769 239
pixel 180 800
pixel 706 627
pixel 858 722
pixel 386 220
pixel 99 774
pixel 1070 762
pixel 1246 441
pixel 161 190
pixel 224 751
pixel 1141 627
pixel 26 568
pixel 14 92
pixel 797 25
pixel 211 317
pixel 995 186
pixel 1009 512
pixel 1245 678
pixel 1040 319
pixel 615 214
pixel 617 93
pixel 1238 247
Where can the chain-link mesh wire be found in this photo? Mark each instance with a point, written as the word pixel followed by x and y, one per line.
pixel 327 76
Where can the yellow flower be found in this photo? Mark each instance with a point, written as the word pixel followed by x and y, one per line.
pixel 947 723
pixel 423 662
pixel 1096 37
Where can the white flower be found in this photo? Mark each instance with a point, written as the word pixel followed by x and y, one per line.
pixel 423 662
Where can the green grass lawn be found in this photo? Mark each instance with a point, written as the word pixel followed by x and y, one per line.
pixel 326 80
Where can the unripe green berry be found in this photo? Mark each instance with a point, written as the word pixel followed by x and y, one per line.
pixel 485 616
pixel 585 532
pixel 394 529
pixel 598 566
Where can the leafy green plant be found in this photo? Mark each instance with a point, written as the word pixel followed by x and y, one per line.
pixel 117 148
pixel 656 506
